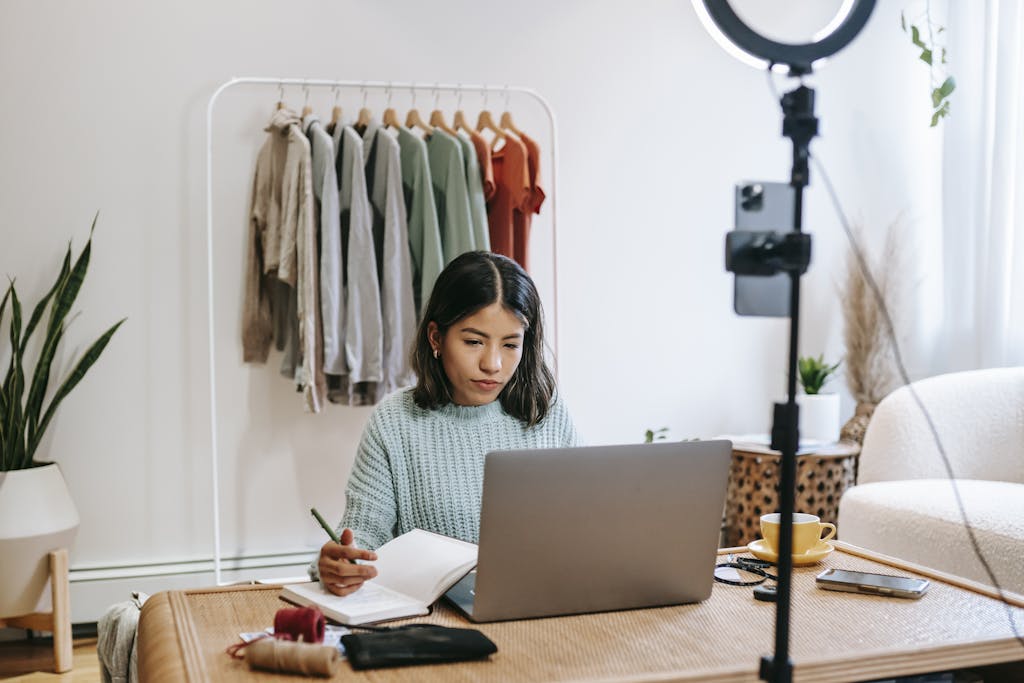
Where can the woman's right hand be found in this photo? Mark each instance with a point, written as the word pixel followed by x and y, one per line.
pixel 339 572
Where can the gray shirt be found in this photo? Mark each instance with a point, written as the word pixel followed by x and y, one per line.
pixel 391 235
pixel 332 299
pixel 362 327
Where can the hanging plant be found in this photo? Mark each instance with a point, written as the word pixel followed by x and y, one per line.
pixel 927 35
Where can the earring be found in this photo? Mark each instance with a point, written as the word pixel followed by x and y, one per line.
pixel 437 354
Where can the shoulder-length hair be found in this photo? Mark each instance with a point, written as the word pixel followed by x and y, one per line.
pixel 471 282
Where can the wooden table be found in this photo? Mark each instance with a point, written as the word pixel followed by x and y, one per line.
pixel 822 476
pixel 834 636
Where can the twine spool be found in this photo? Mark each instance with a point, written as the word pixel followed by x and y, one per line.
pixel 271 654
pixel 299 623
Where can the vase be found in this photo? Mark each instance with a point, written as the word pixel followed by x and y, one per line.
pixel 857 426
pixel 37 516
pixel 819 417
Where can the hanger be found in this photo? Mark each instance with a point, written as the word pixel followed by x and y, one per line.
pixel 280 95
pixel 364 114
pixel 413 120
pixel 390 115
pixel 486 122
pixel 336 110
pixel 460 122
pixel 506 122
pixel 306 109
pixel 437 117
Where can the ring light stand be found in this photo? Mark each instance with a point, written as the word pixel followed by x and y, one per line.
pixel 784 253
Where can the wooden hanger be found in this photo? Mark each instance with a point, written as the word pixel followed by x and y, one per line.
pixel 280 96
pixel 507 124
pixel 413 120
pixel 306 109
pixel 391 118
pixel 364 114
pixel 336 109
pixel 460 122
pixel 486 122
pixel 437 121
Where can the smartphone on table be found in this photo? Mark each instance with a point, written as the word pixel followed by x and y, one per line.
pixel 872 584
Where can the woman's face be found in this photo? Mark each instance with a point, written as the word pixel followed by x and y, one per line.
pixel 480 353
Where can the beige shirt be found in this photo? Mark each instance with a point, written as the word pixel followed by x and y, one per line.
pixel 282 247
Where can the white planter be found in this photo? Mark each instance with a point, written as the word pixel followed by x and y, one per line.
pixel 37 516
pixel 819 417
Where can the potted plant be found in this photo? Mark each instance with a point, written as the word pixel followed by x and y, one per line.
pixel 819 413
pixel 37 514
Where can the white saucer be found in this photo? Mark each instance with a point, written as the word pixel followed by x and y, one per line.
pixel 762 551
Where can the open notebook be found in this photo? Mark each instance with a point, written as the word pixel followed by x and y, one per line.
pixel 413 571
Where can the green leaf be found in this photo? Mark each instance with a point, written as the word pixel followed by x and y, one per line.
pixel 14 444
pixel 41 306
pixel 76 375
pixel 903 22
pixel 926 57
pixel 935 120
pixel 915 38
pixel 947 87
pixel 68 291
pixel 936 97
pixel 943 55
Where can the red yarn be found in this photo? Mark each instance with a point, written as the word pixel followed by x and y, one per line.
pixel 299 623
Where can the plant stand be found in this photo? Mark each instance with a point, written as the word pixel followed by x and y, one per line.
pixel 58 621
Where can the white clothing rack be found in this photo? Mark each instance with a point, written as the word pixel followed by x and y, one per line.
pixel 363 86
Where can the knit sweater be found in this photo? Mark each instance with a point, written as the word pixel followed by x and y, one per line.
pixel 419 468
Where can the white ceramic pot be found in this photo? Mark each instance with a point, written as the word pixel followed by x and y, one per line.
pixel 37 516
pixel 819 417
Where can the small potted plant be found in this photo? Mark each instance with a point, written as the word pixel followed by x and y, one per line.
pixel 37 514
pixel 819 412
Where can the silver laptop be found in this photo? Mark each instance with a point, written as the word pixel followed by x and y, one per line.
pixel 575 530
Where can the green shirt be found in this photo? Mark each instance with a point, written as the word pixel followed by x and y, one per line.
pixel 477 203
pixel 451 194
pixel 421 215
pixel 418 468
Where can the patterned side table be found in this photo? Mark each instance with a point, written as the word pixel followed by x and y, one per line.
pixel 822 476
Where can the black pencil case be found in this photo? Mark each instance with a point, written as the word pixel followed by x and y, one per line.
pixel 415 644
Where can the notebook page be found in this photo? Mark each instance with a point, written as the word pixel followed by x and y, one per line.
pixel 422 564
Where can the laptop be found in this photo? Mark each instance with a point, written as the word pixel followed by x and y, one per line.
pixel 575 530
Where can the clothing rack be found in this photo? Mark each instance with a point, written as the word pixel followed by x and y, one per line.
pixel 306 83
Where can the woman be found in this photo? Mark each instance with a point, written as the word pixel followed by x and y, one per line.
pixel 483 386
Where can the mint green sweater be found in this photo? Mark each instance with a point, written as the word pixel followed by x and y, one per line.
pixel 424 469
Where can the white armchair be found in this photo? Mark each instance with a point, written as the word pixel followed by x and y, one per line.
pixel 904 504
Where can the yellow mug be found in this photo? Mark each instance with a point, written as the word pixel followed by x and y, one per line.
pixel 806 531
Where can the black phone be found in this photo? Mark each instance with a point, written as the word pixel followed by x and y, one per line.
pixel 762 206
pixel 872 584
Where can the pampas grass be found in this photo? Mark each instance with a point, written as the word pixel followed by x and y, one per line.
pixel 870 363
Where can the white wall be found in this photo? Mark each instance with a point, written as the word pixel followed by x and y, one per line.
pixel 105 106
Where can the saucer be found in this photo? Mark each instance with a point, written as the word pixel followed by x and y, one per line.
pixel 762 551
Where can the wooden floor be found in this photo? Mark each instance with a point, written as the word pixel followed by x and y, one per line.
pixel 22 660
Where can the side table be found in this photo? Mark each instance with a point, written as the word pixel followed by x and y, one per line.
pixel 822 476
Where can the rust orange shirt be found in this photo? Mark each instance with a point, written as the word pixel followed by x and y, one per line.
pixel 512 192
pixel 483 157
pixel 523 217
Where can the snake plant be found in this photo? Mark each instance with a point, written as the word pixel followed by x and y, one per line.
pixel 24 411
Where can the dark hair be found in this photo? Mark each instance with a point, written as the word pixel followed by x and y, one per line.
pixel 471 282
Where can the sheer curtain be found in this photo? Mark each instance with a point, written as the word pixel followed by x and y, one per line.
pixel 982 282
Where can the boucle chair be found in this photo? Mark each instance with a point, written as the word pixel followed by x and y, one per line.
pixel 904 504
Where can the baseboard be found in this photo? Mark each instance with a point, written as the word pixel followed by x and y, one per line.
pixel 95 588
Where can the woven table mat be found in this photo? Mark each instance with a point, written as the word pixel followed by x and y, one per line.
pixel 834 636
